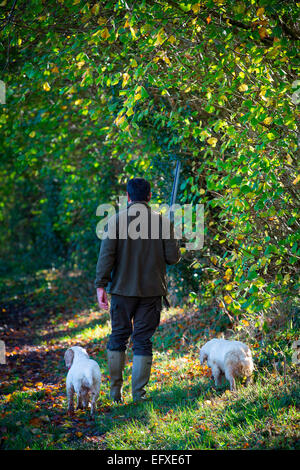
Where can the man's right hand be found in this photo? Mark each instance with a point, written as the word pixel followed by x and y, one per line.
pixel 102 298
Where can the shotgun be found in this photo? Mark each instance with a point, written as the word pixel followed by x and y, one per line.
pixel 174 190
pixel 171 212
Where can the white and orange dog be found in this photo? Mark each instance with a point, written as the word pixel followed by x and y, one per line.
pixel 230 358
pixel 83 378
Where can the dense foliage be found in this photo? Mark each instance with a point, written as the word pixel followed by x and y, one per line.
pixel 99 91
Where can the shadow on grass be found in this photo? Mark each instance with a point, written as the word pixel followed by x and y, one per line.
pixel 226 420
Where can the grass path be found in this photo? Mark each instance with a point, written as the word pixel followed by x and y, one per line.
pixel 43 316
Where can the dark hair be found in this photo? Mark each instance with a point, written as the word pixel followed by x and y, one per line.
pixel 138 189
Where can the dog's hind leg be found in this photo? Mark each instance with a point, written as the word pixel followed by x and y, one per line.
pixel 232 384
pixel 79 401
pixel 230 378
pixel 94 397
pixel 70 396
pixel 86 398
pixel 83 398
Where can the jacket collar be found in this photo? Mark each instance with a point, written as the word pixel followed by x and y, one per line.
pixel 138 202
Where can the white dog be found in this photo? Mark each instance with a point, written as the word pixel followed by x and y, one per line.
pixel 231 358
pixel 83 378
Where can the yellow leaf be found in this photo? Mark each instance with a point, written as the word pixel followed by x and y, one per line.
pixel 133 32
pixel 166 59
pixel 32 134
pixel 212 141
pixel 95 9
pixel 46 86
pixel 228 273
pixel 196 8
pixel 229 287
pixel 238 203
pixel 268 120
pixel 129 112
pixel 101 20
pixel 133 63
pixel 227 299
pixel 119 120
pixel 97 33
pixel 105 34
pixel 159 37
pixel 260 11
pixel 243 87
pixel 172 39
pixel 204 133
pixel 78 102
pixel 80 64
pixel 126 77
pixel 263 92
pixel 296 179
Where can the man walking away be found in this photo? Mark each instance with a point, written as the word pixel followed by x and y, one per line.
pixel 133 269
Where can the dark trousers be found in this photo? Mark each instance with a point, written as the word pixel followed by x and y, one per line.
pixel 137 317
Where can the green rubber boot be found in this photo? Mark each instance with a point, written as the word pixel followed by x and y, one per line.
pixel 116 364
pixel 141 370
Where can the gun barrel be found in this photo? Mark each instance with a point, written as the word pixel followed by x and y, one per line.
pixel 175 188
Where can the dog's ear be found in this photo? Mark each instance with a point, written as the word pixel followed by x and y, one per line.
pixel 69 356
